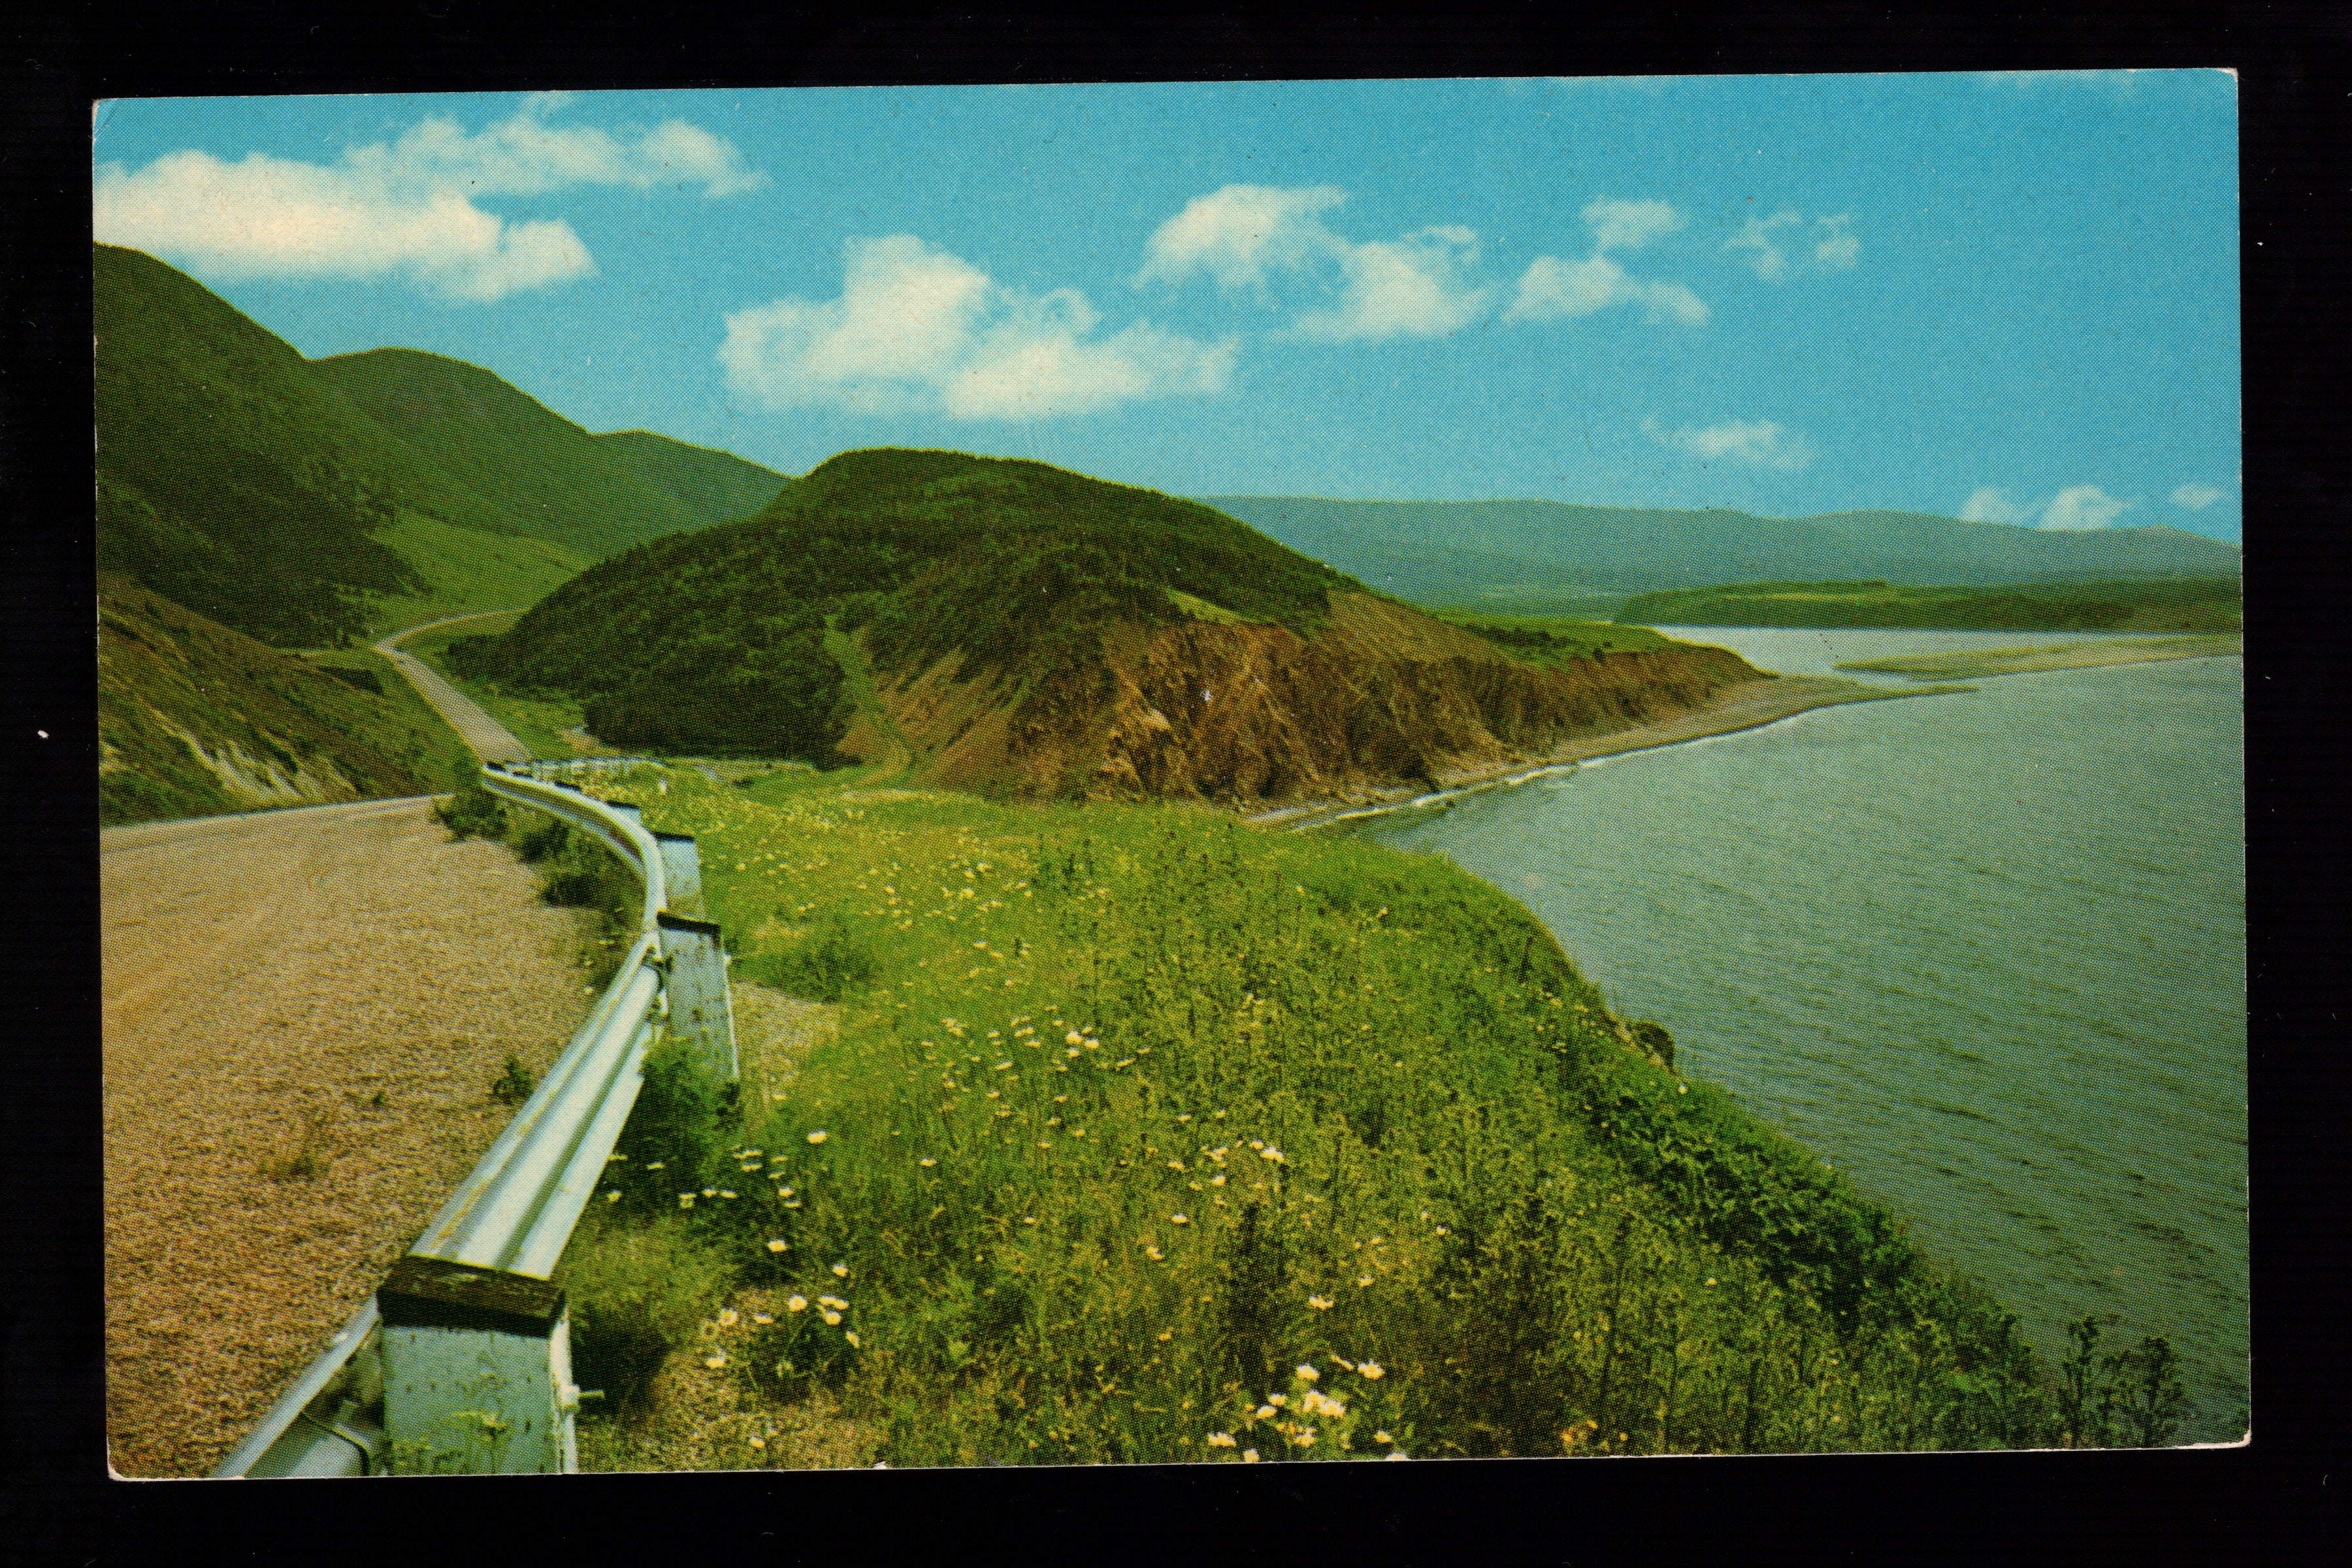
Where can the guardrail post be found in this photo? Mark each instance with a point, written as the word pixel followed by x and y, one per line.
pixel 681 871
pixel 699 1006
pixel 476 1371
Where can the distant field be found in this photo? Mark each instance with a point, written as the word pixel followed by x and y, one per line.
pixel 2177 606
pixel 469 569
pixel 1549 639
pixel 1974 662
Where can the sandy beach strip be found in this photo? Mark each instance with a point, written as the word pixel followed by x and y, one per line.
pixel 1746 706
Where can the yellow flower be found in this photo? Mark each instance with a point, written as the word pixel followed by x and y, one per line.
pixel 835 1302
pixel 1382 1437
pixel 685 1200
pixel 852 1342
pixel 818 1137
pixel 711 1192
pixel 613 1196
pixel 725 1193
pixel 841 1270
pixel 1175 1164
pixel 1373 1370
pixel 797 1304
pixel 759 1442
pixel 1363 1279
pixel 927 1161
pixel 1180 1219
pixel 1305 1374
pixel 1166 1334
pixel 1303 1438
pixel 1154 1254
pixel 1249 1455
pixel 1221 1440
pixel 1264 1412
pixel 714 1361
pixel 1218 1180
pixel 777 1244
pixel 761 1318
pixel 726 1317
pixel 1320 1303
pixel 831 1320
pixel 1343 1361
pixel 1074 1038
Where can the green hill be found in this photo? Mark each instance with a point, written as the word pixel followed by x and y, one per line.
pixel 195 718
pixel 1007 626
pixel 1539 555
pixel 2196 604
pixel 554 480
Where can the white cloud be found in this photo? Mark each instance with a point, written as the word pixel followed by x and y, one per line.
pixel 1416 286
pixel 1990 505
pixel 406 208
pixel 1551 287
pixel 1628 225
pixel 1833 247
pixel 2079 508
pixel 1236 233
pixel 919 329
pixel 1759 442
pixel 2196 497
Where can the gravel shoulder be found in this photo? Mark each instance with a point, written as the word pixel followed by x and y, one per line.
pixel 302 1013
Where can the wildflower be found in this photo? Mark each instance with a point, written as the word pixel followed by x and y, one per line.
pixel 1398 1454
pixel 1175 1164
pixel 1264 1413
pixel 1166 1334
pixel 1303 1438
pixel 1249 1455
pixel 1186 1117
pixel 818 1137
pixel 831 1319
pixel 1221 1440
pixel 685 1200
pixel 1257 1142
pixel 1071 1052
pixel 1218 1180
pixel 1307 1373
pixel 852 1342
pixel 835 1302
pixel 763 1318
pixel 727 1316
pixel 725 1193
pixel 1156 1256
pixel 1382 1437
pixel 927 1161
pixel 1320 1303
pixel 1362 1281
pixel 1710 1279
pixel 657 1165
pixel 613 1196
pixel 1043 1144
pixel 1028 1219
pixel 759 1442
pixel 714 1361
pixel 1073 1037
pixel 841 1270
pixel 1373 1370
pixel 797 1304
pixel 1271 1152
pixel 1180 1219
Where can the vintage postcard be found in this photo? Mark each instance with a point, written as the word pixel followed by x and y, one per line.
pixel 1232 773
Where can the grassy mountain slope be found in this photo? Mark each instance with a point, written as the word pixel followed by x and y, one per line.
pixel 1033 631
pixel 1418 549
pixel 464 569
pixel 195 718
pixel 2207 605
pixel 553 477
pixel 712 484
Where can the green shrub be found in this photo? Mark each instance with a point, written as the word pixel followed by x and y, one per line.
pixel 472 812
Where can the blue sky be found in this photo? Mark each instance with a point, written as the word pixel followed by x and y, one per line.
pixel 2011 296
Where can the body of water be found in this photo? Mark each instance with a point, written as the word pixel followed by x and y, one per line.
pixel 1983 952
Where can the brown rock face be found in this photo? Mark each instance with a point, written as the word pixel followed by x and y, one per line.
pixel 1254 715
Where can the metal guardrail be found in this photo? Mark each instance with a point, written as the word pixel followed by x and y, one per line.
pixel 461 1360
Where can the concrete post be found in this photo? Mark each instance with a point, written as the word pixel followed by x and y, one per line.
pixel 681 872
pixel 699 1006
pixel 476 1371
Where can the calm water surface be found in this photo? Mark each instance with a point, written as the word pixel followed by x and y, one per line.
pixel 1984 952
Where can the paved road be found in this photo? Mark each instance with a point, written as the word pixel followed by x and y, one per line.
pixel 491 740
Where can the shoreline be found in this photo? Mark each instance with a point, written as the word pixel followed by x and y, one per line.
pixel 1750 705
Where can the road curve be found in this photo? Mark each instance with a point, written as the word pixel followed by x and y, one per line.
pixel 490 741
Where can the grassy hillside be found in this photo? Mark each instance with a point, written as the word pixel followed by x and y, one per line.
pixel 2196 604
pixel 712 484
pixel 462 569
pixel 1462 552
pixel 1029 631
pixel 555 480
pixel 195 718
pixel 1146 1137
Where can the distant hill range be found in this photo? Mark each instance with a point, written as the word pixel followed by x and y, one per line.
pixel 302 501
pixel 1537 555
pixel 2167 604
pixel 1005 626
